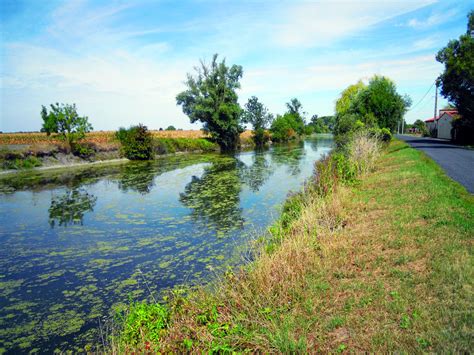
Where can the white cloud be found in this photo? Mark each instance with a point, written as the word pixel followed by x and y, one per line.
pixel 318 24
pixel 432 20
pixel 113 90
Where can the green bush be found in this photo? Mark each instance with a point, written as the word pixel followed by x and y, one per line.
pixel 260 137
pixel 382 134
pixel 31 162
pixel 144 323
pixel 345 169
pixel 346 126
pixel 122 134
pixel 292 209
pixel 17 162
pixel 333 169
pixel 137 142
pixel 308 130
pixel 83 150
pixel 385 135
pixel 286 127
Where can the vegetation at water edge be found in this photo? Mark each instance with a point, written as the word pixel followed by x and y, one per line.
pixel 377 269
pixel 136 141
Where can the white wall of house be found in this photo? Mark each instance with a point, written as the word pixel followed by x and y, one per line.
pixel 445 124
pixel 430 126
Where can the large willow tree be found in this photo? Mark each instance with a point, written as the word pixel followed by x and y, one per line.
pixel 211 98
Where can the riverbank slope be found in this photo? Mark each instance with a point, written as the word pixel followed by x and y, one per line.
pixel 37 151
pixel 382 264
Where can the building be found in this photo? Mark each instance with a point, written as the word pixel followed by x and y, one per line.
pixel 442 126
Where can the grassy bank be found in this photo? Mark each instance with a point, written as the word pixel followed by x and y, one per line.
pixel 382 263
pixel 57 155
pixel 23 151
pixel 173 145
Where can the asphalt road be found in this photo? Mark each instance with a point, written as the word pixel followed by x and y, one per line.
pixel 457 161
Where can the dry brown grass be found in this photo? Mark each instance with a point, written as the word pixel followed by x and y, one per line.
pixel 180 134
pixel 41 138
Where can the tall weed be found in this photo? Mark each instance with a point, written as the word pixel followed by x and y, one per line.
pixel 357 157
pixel 363 152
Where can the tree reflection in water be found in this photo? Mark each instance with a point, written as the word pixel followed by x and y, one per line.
pixel 69 208
pixel 325 141
pixel 214 197
pixel 258 173
pixel 289 155
pixel 138 177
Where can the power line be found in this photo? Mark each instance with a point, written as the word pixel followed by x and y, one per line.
pixel 422 107
pixel 413 107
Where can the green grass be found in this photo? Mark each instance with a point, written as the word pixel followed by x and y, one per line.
pixel 147 319
pixel 173 145
pixel 20 163
pixel 384 264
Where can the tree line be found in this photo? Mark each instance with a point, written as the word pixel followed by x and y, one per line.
pixel 210 98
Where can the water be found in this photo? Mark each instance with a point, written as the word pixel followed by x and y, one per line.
pixel 78 246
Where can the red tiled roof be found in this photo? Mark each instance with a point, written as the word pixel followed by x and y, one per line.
pixel 450 112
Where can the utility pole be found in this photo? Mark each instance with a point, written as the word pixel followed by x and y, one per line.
pixel 436 106
pixel 403 125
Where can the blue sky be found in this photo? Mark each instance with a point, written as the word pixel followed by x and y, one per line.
pixel 123 62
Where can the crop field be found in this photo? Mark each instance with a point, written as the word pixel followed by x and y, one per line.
pixel 98 137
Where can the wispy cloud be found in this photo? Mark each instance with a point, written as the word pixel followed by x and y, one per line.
pixel 432 20
pixel 318 24
pixel 425 43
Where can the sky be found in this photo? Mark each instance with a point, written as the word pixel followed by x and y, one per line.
pixel 124 62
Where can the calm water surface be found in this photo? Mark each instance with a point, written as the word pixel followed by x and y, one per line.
pixel 78 246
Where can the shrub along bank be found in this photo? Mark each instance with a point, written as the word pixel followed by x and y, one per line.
pixel 360 260
pixel 137 143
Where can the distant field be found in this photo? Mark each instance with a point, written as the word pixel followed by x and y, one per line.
pixel 100 137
